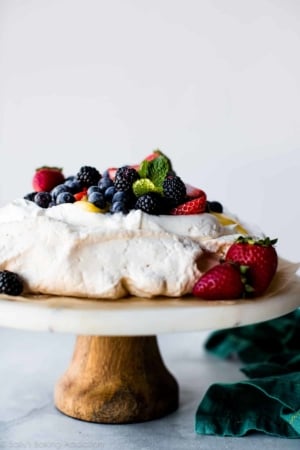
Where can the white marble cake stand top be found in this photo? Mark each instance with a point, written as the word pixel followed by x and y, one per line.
pixel 139 316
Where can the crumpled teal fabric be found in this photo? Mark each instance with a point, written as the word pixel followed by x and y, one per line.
pixel 258 342
pixel 270 401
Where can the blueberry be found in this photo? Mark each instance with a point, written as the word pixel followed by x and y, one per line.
pixel 93 189
pixel 215 207
pixel 105 183
pixel 119 207
pixel 70 178
pixel 30 196
pixel 128 198
pixel 109 193
pixel 120 196
pixel 43 199
pixel 73 184
pixel 58 190
pixel 97 199
pixel 65 197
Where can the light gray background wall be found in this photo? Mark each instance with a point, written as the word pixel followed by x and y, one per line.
pixel 215 84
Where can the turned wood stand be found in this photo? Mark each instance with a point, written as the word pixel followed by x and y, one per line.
pixel 116 380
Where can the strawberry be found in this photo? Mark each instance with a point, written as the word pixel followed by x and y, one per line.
pixel 135 166
pixel 80 195
pixel 260 256
pixel 222 282
pixel 194 206
pixel 192 191
pixel 112 172
pixel 46 178
pixel 153 155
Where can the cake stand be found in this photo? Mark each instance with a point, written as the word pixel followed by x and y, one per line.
pixel 117 374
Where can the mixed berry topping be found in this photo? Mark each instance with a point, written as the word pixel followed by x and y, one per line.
pixel 151 186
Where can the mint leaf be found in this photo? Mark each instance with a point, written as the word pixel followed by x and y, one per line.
pixel 143 170
pixel 158 170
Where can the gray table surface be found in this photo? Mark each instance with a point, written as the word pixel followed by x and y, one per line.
pixel 31 362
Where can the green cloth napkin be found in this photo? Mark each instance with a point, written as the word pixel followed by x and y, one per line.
pixel 270 401
pixel 256 343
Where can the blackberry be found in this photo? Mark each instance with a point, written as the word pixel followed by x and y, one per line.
pixel 10 283
pixel 174 189
pixel 88 176
pixel 125 177
pixel 43 199
pixel 149 203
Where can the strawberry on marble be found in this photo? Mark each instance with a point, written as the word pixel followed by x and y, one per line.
pixel 222 282
pixel 261 257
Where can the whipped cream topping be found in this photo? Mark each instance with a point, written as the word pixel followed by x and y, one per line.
pixel 65 250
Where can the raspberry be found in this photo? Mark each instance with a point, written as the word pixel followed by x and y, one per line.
pixel 149 203
pixel 88 176
pixel 174 189
pixel 125 177
pixel 10 283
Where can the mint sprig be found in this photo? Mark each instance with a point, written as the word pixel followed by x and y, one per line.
pixel 156 170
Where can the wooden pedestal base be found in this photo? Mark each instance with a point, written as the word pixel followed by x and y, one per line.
pixel 116 380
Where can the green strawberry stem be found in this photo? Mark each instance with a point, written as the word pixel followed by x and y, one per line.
pixel 245 278
pixel 56 169
pixel 266 242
